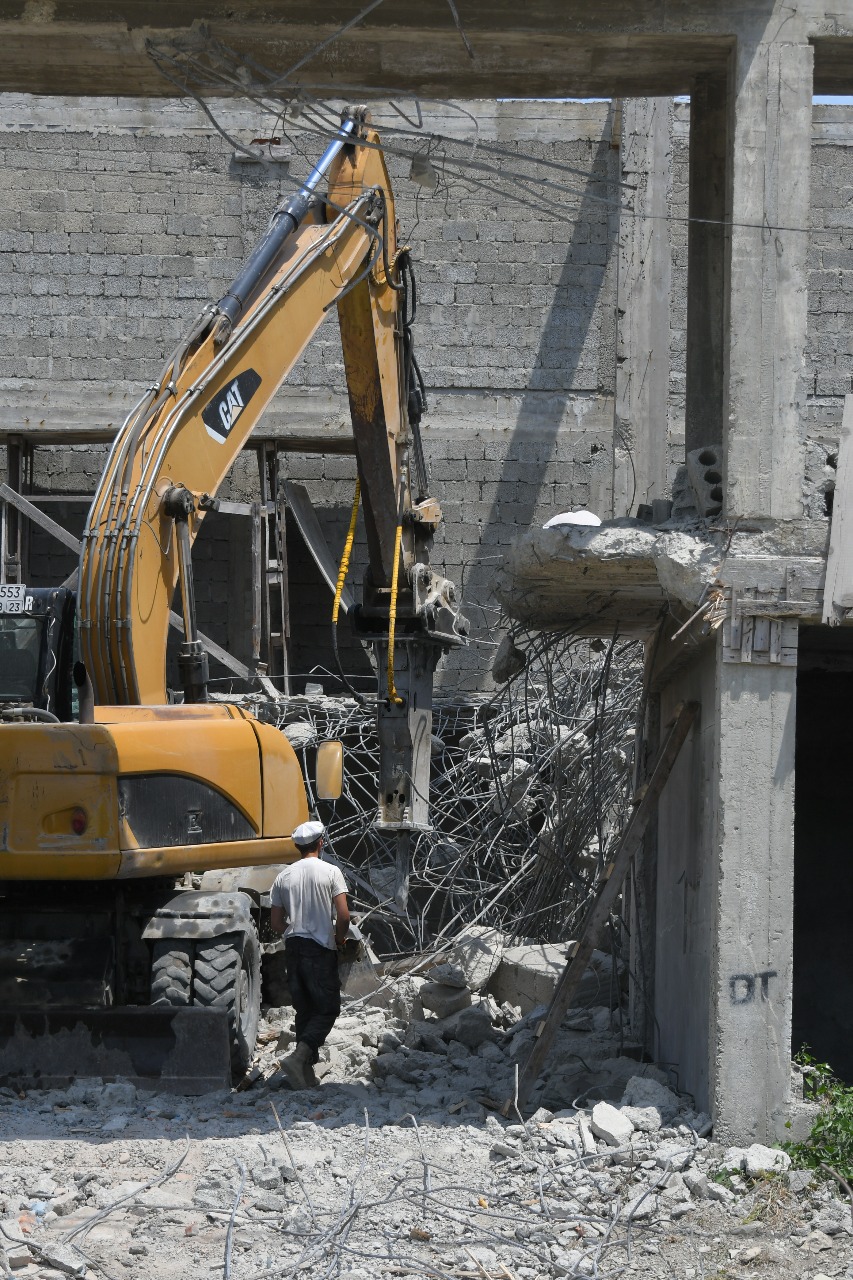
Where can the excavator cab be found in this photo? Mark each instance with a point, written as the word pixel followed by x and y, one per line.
pixel 36 651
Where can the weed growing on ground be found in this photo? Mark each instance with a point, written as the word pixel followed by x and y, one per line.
pixel 831 1140
pixel 771 1201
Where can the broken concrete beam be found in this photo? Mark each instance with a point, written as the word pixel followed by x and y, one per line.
pixel 621 573
pixel 527 976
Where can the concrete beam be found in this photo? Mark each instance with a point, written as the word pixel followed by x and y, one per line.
pixel 643 307
pixel 564 47
pixel 769 180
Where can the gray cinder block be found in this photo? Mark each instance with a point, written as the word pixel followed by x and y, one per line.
pixel 705 469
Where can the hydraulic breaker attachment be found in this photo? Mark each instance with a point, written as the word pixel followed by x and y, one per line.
pixel 404 722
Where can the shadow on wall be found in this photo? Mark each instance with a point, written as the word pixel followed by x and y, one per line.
pixel 532 445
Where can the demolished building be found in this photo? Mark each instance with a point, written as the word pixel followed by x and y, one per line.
pixel 702 363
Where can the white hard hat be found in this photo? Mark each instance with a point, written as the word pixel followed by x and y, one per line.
pixel 308 833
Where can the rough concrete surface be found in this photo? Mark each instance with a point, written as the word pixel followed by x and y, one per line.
pixel 392 1166
pixel 621 572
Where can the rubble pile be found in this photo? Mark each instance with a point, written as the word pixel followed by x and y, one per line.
pixel 409 1158
pixel 528 789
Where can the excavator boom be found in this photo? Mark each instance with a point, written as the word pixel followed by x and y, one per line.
pixel 105 813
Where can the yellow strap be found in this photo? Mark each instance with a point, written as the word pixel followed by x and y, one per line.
pixel 344 569
pixel 393 696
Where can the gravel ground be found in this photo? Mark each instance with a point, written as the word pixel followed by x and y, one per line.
pixel 394 1167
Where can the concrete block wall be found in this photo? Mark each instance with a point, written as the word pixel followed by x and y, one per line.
pixel 120 218
pixel 828 371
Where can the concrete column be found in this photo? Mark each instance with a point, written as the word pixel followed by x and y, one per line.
pixel 706 244
pixel 643 306
pixel 769 171
pixel 751 966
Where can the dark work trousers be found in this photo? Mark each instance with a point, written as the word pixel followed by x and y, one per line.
pixel 315 989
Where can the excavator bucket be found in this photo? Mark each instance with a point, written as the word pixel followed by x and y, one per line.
pixel 172 1050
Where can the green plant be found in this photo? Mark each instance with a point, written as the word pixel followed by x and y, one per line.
pixel 830 1142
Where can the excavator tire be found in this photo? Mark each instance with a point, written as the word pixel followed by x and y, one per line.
pixel 227 975
pixel 171 972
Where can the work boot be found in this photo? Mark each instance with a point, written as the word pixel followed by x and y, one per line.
pixel 297 1065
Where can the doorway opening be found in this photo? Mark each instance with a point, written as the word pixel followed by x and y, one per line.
pixel 823 848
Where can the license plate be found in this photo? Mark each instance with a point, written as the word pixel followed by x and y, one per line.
pixel 12 597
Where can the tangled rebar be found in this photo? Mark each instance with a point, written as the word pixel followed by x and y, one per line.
pixel 529 785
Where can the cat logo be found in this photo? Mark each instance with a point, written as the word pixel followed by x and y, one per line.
pixel 221 415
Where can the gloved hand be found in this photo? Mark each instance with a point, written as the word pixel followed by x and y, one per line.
pixel 350 949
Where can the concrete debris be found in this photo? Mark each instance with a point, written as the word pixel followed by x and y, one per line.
pixel 646 1092
pixel 442 1000
pixel 609 1151
pixel 451 975
pixel 611 1125
pixel 509 660
pixel 477 951
pixel 817 1242
pixel 756 1160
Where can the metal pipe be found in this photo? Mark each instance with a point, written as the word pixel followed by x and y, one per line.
pixel 284 222
pixel 185 575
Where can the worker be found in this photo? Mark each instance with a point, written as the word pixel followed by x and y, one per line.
pixel 311 896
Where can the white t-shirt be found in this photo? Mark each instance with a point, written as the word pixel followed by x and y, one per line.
pixel 305 890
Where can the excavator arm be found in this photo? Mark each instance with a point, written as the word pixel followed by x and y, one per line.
pixel 177 445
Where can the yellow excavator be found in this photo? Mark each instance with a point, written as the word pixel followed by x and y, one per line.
pixel 109 794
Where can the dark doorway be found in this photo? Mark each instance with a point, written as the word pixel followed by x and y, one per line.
pixel 823 848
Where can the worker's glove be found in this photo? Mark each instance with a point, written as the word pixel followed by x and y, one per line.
pixel 351 949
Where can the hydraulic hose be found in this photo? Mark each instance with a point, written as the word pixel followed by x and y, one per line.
pixel 393 696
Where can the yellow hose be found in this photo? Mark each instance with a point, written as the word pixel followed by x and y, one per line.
pixel 393 696
pixel 344 569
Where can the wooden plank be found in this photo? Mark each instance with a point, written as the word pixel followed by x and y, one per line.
pixel 601 908
pixel 761 635
pixel 779 608
pixel 838 588
pixel 8 494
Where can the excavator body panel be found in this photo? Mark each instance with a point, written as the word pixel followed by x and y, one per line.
pixel 146 791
